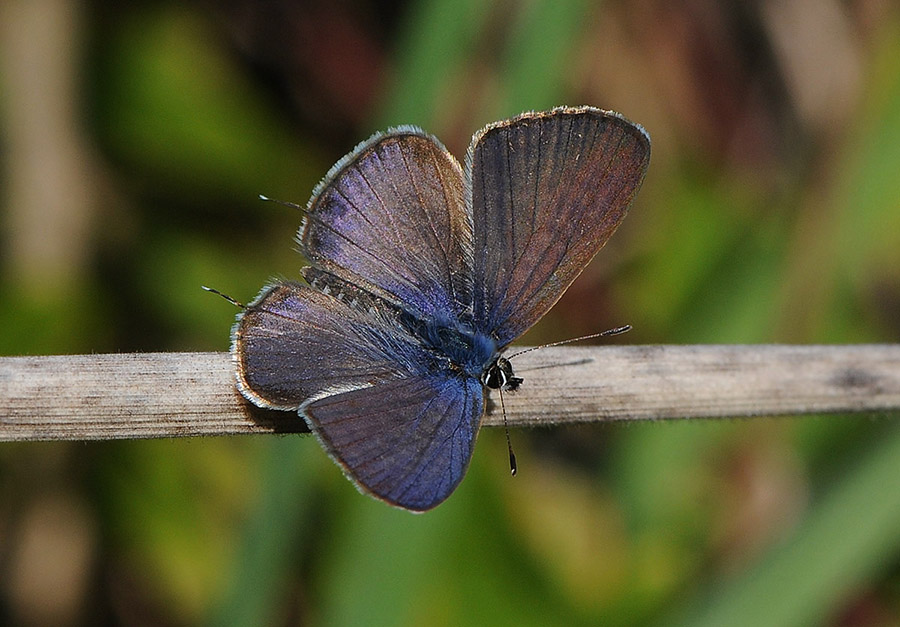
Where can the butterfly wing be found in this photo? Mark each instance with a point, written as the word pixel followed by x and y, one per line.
pixel 390 218
pixel 548 190
pixel 294 342
pixel 406 441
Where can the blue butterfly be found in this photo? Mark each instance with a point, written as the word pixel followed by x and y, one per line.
pixel 421 274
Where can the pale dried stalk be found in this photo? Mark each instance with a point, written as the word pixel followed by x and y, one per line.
pixel 154 395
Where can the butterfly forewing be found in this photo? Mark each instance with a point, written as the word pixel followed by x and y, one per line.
pixel 406 441
pixel 548 190
pixel 391 218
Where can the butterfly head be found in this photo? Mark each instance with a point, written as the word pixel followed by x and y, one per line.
pixel 499 375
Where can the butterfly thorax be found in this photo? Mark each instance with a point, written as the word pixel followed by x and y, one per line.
pixel 466 349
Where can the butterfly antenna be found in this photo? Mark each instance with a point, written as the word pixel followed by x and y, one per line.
pixel 607 333
pixel 225 296
pixel 513 467
pixel 285 203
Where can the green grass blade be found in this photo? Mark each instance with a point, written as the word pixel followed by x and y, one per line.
pixel 847 538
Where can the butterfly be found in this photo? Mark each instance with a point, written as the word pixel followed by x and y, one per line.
pixel 421 273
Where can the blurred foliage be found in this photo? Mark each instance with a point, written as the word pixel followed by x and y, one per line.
pixel 761 220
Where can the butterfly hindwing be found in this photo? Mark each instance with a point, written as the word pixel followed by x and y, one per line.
pixel 548 190
pixel 406 441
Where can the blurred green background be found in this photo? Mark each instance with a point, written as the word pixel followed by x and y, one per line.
pixel 134 139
